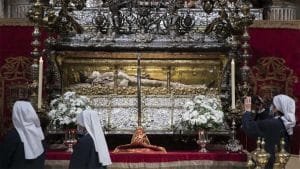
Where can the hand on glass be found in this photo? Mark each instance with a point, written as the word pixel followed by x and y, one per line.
pixel 247 104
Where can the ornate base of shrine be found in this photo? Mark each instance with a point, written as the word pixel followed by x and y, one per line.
pixel 171 142
pixel 170 160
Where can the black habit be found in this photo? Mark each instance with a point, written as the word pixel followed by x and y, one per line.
pixel 12 155
pixel 85 155
pixel 271 129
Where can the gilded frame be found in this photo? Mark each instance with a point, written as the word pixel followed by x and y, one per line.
pixel 181 67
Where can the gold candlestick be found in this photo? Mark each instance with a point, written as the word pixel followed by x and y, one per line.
pixel 257 150
pixel 262 157
pixel 233 143
pixel 35 15
pixel 252 157
pixel 276 164
pixel 283 155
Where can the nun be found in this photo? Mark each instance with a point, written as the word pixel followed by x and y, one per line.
pixel 272 129
pixel 91 151
pixel 22 147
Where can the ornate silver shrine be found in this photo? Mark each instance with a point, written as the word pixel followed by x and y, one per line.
pixel 89 28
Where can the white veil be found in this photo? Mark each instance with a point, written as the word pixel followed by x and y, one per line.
pixel 91 121
pixel 286 105
pixel 27 124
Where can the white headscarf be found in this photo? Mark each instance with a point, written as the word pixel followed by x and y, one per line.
pixel 28 126
pixel 91 121
pixel 286 105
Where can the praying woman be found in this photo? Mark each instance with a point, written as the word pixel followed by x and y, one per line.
pixel 22 147
pixel 91 151
pixel 272 129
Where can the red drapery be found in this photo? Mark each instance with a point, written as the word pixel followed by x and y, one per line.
pixel 284 43
pixel 15 41
pixel 170 160
pixel 159 157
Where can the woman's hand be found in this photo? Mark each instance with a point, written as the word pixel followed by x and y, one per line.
pixel 247 104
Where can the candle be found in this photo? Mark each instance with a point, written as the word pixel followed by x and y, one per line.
pixel 232 84
pixel 40 87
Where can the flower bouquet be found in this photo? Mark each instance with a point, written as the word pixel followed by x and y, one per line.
pixel 201 114
pixel 63 110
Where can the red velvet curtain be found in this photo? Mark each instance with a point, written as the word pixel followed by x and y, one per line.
pixel 158 157
pixel 284 43
pixel 15 41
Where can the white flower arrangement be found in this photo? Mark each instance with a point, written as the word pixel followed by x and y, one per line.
pixel 203 112
pixel 65 108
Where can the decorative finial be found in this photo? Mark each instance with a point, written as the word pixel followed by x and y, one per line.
pixel 283 155
pixel 262 157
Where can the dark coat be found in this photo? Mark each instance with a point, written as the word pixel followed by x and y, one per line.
pixel 271 129
pixel 85 155
pixel 12 155
pixel 263 115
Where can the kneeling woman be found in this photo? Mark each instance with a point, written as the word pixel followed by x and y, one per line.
pixel 91 151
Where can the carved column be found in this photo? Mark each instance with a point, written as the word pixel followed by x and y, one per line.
pixel 2 9
pixel 282 11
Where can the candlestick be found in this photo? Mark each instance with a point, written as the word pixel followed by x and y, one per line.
pixel 232 84
pixel 40 87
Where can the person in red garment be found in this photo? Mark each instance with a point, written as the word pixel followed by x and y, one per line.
pixel 91 151
pixel 23 146
pixel 139 144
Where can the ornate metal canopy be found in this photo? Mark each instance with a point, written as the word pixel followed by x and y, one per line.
pixel 145 23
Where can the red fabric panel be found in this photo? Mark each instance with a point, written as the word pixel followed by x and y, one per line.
pixel 284 43
pixel 178 156
pixel 15 41
pixel 159 157
pixel 58 155
pixel 296 140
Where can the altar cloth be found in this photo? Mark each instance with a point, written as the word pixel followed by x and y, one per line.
pixel 169 160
